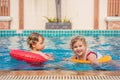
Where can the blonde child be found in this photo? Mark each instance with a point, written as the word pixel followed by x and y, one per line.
pixel 79 46
pixel 36 44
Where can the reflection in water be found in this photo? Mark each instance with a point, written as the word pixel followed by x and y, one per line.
pixel 17 43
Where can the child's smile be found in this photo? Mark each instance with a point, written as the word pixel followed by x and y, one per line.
pixel 79 48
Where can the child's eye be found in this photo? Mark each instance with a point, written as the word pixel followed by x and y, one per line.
pixel 41 42
pixel 75 46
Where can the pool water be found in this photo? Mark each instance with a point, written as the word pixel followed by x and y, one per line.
pixel 59 48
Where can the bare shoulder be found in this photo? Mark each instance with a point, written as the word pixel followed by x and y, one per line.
pixel 89 51
pixel 91 54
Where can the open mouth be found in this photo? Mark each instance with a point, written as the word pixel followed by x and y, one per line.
pixel 79 52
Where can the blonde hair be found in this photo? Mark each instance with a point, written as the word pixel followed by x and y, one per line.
pixel 33 38
pixel 77 38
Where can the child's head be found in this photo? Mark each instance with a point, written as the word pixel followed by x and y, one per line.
pixel 35 41
pixel 78 45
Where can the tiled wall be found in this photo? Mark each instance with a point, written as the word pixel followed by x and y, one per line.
pixel 49 33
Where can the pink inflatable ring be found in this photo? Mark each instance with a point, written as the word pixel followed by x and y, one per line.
pixel 27 56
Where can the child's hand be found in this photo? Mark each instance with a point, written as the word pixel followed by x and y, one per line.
pixel 50 57
pixel 67 59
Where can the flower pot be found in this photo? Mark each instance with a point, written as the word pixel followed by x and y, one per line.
pixel 59 25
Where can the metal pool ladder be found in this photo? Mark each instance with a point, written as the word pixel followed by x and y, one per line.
pixel 49 75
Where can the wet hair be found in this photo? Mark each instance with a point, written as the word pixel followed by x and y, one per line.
pixel 33 38
pixel 77 38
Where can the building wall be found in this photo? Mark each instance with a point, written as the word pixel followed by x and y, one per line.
pixel 102 14
pixel 80 12
pixel 14 13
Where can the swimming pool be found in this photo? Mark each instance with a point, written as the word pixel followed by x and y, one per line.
pixel 57 44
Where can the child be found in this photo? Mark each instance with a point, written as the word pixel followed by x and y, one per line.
pixel 79 46
pixel 36 43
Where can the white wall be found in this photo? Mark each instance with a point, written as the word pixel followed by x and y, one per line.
pixel 35 12
pixel 102 14
pixel 80 12
pixel 14 12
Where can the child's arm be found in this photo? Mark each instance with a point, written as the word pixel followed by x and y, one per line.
pixel 46 56
pixel 49 57
pixel 93 59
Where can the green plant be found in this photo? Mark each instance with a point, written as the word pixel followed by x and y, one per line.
pixel 51 19
pixel 65 20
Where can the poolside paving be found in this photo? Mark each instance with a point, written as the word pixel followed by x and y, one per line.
pixel 58 75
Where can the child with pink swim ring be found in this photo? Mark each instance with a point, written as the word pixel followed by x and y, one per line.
pixel 36 44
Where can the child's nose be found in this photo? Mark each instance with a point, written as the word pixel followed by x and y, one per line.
pixel 78 48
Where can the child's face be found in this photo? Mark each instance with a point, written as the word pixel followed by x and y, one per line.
pixel 39 44
pixel 79 48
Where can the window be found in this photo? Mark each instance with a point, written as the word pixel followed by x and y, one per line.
pixel 113 7
pixel 5 14
pixel 4 7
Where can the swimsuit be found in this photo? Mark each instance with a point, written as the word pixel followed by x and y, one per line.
pixel 98 56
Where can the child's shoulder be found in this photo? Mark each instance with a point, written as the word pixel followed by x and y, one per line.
pixel 90 51
pixel 98 55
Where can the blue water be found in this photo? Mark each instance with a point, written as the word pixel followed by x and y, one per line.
pixel 59 48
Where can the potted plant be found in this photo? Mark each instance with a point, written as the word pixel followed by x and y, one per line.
pixel 54 23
